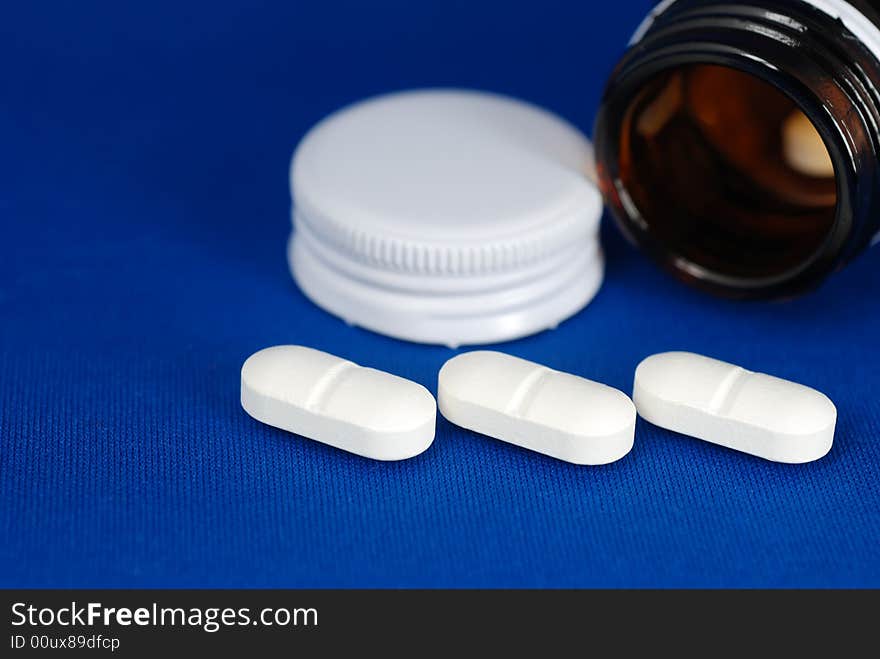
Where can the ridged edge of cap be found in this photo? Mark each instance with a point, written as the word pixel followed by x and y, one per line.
pixel 479 316
pixel 423 257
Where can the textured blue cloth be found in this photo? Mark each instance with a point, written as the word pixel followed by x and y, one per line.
pixel 144 205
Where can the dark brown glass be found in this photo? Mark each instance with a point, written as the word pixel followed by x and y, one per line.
pixel 690 145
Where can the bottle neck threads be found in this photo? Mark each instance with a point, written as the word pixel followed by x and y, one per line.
pixel 738 143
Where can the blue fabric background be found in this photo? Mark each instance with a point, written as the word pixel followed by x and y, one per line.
pixel 144 206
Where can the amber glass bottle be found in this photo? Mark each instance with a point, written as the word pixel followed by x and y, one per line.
pixel 738 142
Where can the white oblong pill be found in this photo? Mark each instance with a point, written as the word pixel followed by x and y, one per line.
pixel 529 405
pixel 803 147
pixel 360 410
pixel 727 405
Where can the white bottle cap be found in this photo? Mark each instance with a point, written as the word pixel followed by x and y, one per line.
pixel 446 217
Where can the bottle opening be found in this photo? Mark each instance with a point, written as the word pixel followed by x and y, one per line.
pixel 726 173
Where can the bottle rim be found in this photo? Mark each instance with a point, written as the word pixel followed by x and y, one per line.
pixel 799 62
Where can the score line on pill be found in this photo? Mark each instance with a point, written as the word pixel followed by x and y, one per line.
pixel 317 395
pixel 727 405
pixel 526 404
